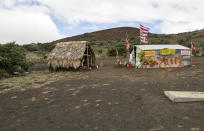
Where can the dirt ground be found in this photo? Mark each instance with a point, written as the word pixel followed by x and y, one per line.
pixel 106 99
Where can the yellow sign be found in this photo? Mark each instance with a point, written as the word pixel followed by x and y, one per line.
pixel 149 53
pixel 168 52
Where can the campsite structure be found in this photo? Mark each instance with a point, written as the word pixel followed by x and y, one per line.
pixel 160 56
pixel 71 55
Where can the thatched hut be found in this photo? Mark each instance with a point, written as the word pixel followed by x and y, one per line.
pixel 71 55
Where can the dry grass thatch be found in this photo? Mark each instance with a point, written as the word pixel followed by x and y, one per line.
pixel 68 55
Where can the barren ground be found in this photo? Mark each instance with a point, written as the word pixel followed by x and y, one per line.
pixel 107 99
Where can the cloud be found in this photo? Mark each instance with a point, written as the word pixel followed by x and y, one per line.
pixel 99 11
pixel 26 24
pixel 170 27
pixel 171 12
pixel 28 21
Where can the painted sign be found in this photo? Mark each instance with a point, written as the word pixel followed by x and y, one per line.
pixel 168 52
pixel 150 53
pixel 185 52
pixel 166 61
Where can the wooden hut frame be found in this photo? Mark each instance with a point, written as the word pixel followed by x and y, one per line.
pixel 88 57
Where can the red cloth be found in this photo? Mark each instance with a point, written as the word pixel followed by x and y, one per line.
pixel 127 43
pixel 129 65
pixel 192 46
pixel 117 56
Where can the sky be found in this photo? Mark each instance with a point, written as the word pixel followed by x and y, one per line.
pixel 32 21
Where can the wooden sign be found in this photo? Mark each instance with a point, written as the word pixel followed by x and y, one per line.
pixel 185 52
pixel 150 53
pixel 168 52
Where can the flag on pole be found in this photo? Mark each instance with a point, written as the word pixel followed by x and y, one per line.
pixel 144 28
pixel 192 46
pixel 127 42
pixel 143 34
pixel 144 40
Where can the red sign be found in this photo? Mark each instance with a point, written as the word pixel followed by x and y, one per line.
pixel 185 52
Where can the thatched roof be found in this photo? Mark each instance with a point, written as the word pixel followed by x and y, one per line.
pixel 67 54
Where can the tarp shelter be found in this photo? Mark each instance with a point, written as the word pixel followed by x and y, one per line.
pixel 73 54
pixel 160 56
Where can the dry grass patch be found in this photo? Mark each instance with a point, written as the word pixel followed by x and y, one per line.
pixel 36 80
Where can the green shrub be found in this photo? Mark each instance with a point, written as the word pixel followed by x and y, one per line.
pixel 3 74
pixel 12 58
pixel 111 51
pixel 195 52
pixel 31 47
pixel 45 57
pixel 40 47
pixel 121 50
pixel 181 41
pixel 87 35
pixel 100 51
pixel 141 55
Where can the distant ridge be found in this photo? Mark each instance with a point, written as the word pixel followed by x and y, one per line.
pixel 120 34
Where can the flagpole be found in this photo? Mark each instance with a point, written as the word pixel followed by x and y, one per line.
pixel 127 48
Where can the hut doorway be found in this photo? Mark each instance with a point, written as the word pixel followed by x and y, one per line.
pixel 88 58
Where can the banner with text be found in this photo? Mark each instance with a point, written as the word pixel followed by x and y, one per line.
pixel 150 53
pixel 168 52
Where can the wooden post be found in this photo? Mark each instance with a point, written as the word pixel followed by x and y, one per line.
pixel 91 58
pixel 87 56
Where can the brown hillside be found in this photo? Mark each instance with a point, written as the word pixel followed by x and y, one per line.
pixel 120 34
pixel 104 35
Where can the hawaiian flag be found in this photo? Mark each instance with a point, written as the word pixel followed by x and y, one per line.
pixel 143 40
pixel 127 42
pixel 144 28
pixel 117 56
pixel 192 46
pixel 143 34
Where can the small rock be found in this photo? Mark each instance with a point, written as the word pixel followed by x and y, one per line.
pixel 13 97
pixel 33 99
pixel 179 126
pixel 26 73
pixel 84 100
pixel 98 100
pixel 145 83
pixel 116 103
pixel 86 104
pixel 76 107
pixel 46 98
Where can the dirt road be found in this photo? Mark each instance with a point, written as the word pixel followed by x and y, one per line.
pixel 107 99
